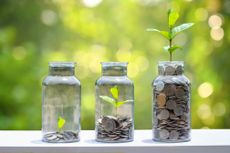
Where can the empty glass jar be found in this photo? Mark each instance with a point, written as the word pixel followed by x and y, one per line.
pixel 61 102
pixel 114 104
pixel 171 103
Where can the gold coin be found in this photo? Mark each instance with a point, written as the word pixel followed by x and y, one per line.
pixel 161 99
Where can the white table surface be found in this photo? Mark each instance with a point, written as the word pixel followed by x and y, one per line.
pixel 203 141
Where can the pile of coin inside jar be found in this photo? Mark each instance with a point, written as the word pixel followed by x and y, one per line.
pixel 171 110
pixel 65 136
pixel 110 128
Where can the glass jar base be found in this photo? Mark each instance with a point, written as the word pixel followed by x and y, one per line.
pixel 61 137
pixel 114 141
pixel 65 141
pixel 171 141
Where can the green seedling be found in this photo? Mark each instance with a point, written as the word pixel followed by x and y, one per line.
pixel 61 123
pixel 114 100
pixel 172 32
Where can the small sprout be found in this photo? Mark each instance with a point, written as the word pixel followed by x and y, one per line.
pixel 109 100
pixel 173 31
pixel 61 122
pixel 114 101
pixel 114 91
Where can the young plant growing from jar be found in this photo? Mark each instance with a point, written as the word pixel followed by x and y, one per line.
pixel 116 128
pixel 172 32
pixel 61 123
pixel 114 100
pixel 171 91
pixel 61 100
pixel 114 111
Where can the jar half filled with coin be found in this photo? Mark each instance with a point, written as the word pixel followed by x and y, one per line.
pixel 171 103
pixel 114 104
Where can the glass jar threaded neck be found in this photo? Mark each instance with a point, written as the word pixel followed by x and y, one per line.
pixel 114 68
pixel 171 67
pixel 61 68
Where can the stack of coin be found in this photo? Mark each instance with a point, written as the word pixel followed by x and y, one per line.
pixel 114 129
pixel 65 136
pixel 171 111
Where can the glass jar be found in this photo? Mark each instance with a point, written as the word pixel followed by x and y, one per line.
pixel 61 102
pixel 114 104
pixel 171 103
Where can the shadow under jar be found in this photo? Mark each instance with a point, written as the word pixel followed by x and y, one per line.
pixel 171 103
pixel 114 104
pixel 61 102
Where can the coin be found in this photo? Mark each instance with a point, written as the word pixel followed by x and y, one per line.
pixel 172 111
pixel 107 132
pixel 184 117
pixel 164 134
pixel 64 136
pixel 170 90
pixel 159 85
pixel 163 115
pixel 169 70
pixel 161 99
pixel 171 104
pixel 178 111
pixel 179 70
pixel 179 92
pixel 172 116
pixel 173 135
pixel 108 123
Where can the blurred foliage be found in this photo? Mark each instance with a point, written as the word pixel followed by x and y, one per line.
pixel 32 33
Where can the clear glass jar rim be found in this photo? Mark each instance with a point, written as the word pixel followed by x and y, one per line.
pixel 117 64
pixel 171 62
pixel 62 64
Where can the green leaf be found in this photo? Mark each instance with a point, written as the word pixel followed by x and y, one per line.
pixel 172 18
pixel 171 49
pixel 61 122
pixel 108 99
pixel 180 28
pixel 114 91
pixel 163 33
pixel 119 103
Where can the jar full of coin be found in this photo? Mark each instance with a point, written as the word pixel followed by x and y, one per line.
pixel 61 102
pixel 171 103
pixel 114 104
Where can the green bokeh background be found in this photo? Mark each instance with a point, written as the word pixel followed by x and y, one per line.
pixel 32 33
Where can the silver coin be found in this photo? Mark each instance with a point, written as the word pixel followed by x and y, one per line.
pixel 109 124
pixel 170 90
pixel 164 134
pixel 176 80
pixel 174 135
pixel 184 117
pixel 168 80
pixel 59 135
pixel 170 70
pixel 120 132
pixel 171 104
pixel 161 70
pixel 178 110
pixel 53 137
pixel 159 86
pixel 179 70
pixel 172 116
pixel 163 115
pixel 179 92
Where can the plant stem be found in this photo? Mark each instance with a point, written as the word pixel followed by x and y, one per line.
pixel 170 44
pixel 170 53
